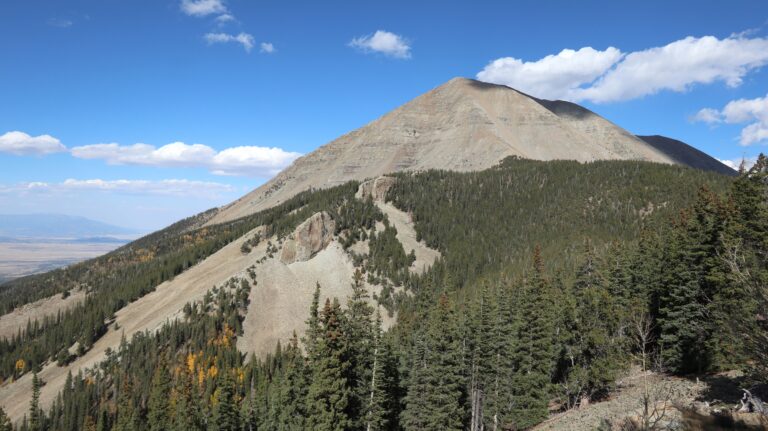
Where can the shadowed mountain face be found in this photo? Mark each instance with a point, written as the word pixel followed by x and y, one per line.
pixel 685 154
pixel 463 125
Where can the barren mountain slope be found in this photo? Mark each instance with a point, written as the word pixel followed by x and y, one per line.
pixel 462 125
pixel 147 313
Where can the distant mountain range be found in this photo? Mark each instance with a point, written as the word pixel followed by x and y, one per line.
pixel 59 226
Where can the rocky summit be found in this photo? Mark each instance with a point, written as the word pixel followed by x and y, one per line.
pixel 465 125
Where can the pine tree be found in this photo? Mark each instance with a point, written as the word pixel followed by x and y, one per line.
pixel 746 256
pixel 688 317
pixel 328 394
pixel 414 415
pixel 376 413
pixel 35 412
pixel 187 411
pixel 126 412
pixel 594 350
pixel 533 356
pixel 5 421
pixel 359 333
pixel 292 388
pixel 226 415
pixel 159 408
pixel 437 390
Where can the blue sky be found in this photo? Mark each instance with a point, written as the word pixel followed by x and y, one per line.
pixel 254 84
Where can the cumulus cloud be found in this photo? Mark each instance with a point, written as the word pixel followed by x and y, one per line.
pixel 244 39
pixel 558 76
pixel 244 161
pixel 22 144
pixel 707 115
pixel 267 48
pixel 612 76
pixel 735 164
pixel 240 161
pixel 383 42
pixel 203 7
pixel 751 111
pixel 176 154
pixel 170 187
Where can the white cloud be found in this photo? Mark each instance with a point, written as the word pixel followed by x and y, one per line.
pixel 244 161
pixel 225 18
pixel 170 187
pixel 611 76
pixel 557 76
pixel 176 154
pixel 203 7
pixel 752 111
pixel 22 144
pixel 735 164
pixel 383 42
pixel 244 39
pixel 707 115
pixel 241 161
pixel 267 48
pixel 60 22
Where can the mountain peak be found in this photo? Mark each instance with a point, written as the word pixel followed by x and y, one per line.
pixel 461 125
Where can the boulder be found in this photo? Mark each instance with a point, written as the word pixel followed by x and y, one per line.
pixel 376 188
pixel 309 238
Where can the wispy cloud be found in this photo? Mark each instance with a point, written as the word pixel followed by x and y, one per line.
pixel 611 75
pixel 267 48
pixel 225 18
pixel 753 112
pixel 245 39
pixel 383 42
pixel 169 187
pixel 22 144
pixel 249 161
pixel 203 7
pixel 59 22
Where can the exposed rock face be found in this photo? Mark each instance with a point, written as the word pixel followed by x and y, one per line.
pixel 309 238
pixel 376 188
pixel 463 125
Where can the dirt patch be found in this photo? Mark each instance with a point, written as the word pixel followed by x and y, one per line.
pixel 10 323
pixel 406 234
pixel 279 304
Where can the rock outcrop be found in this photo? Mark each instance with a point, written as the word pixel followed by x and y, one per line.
pixel 309 238
pixel 376 188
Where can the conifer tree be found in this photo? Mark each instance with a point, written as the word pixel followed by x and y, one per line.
pixel 414 415
pixel 186 412
pixel 226 414
pixel 359 333
pixel 440 381
pixel 533 356
pixel 126 412
pixel 292 388
pixel 35 413
pixel 376 413
pixel 5 421
pixel 159 408
pixel 328 394
pixel 594 351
